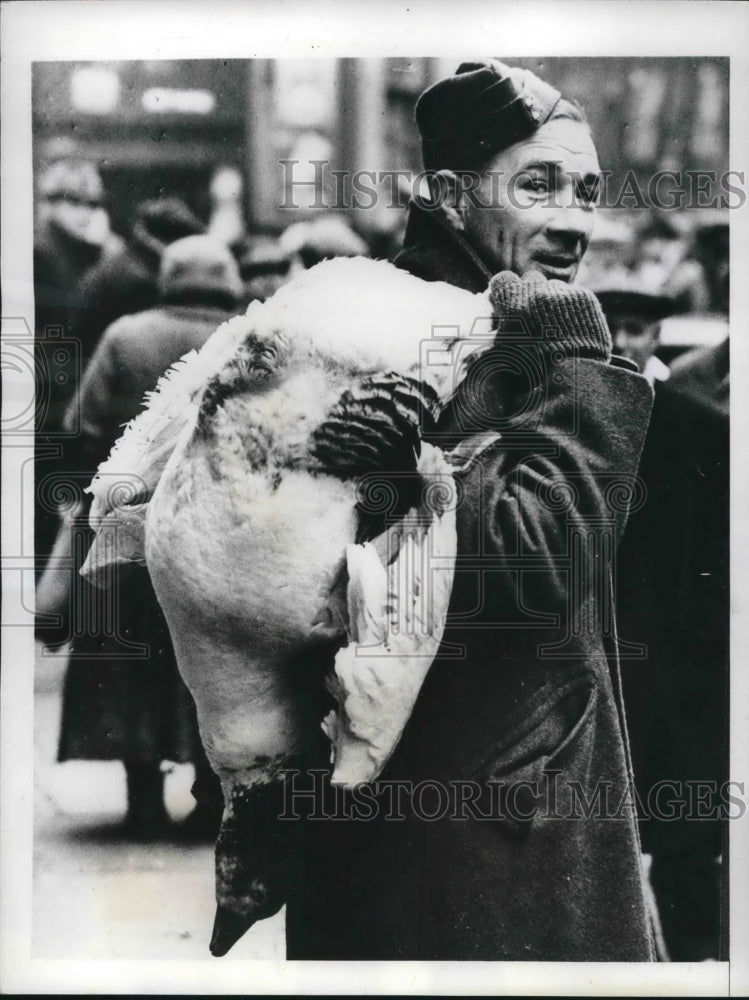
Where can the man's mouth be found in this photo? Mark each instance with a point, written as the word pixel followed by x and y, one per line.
pixel 557 265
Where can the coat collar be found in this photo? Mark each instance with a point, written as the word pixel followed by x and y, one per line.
pixel 197 311
pixel 432 250
pixel 655 371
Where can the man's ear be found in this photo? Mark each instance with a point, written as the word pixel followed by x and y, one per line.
pixel 446 189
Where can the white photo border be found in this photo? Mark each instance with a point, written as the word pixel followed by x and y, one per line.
pixel 155 29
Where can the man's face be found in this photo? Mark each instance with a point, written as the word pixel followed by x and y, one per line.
pixel 80 217
pixel 634 337
pixel 534 204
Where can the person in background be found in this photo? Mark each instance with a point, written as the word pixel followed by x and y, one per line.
pixel 116 707
pixel 660 247
pixel 72 229
pixel 126 281
pixel 321 238
pixel 701 282
pixel 702 375
pixel 226 222
pixel 672 596
pixel 265 265
pixel 634 314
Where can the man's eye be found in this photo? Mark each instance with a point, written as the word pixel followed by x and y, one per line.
pixel 588 193
pixel 537 184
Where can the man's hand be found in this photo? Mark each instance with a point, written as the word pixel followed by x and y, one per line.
pixel 552 312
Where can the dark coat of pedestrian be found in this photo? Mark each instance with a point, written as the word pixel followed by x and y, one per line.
pixel 127 281
pixel 515 836
pixel 674 597
pixel 702 376
pixel 69 239
pixel 123 697
pixel 674 622
pixel 71 232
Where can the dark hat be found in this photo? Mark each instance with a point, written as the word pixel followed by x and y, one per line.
pixel 168 219
pixel 263 255
pixel 199 265
pixel 634 299
pixel 484 108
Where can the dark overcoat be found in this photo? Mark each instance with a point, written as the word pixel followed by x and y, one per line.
pixel 123 283
pixel 61 262
pixel 520 714
pixel 673 600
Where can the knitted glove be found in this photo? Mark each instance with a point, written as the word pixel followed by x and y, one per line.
pixel 540 323
pixel 555 314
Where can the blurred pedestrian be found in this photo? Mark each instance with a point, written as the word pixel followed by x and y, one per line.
pixel 322 238
pixel 265 264
pixel 634 314
pixel 116 705
pixel 226 223
pixel 660 247
pixel 702 375
pixel 71 231
pixel 126 281
pixel 72 227
pixel 701 283
pixel 672 596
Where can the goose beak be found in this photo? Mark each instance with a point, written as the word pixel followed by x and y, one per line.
pixel 254 850
pixel 228 928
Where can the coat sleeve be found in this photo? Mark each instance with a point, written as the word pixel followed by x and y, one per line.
pixel 103 402
pixel 544 505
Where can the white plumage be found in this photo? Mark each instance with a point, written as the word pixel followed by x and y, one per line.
pixel 244 498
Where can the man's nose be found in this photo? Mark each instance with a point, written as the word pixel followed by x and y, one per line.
pixel 571 223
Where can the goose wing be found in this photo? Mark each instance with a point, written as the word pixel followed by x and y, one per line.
pixel 397 597
pixel 132 471
pixel 125 482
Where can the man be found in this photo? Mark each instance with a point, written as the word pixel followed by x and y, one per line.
pixel 634 313
pixel 72 229
pixel 198 286
pixel 524 691
pixel 265 265
pixel 127 280
pixel 672 596
pixel 117 705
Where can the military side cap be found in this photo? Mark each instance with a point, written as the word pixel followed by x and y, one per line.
pixel 484 108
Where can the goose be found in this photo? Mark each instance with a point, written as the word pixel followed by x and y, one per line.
pixel 280 491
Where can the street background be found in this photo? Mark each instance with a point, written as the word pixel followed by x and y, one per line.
pixel 98 896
